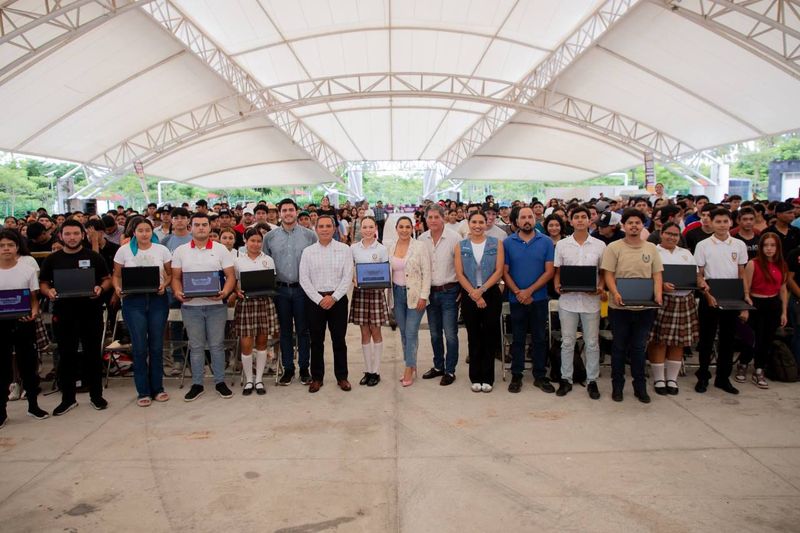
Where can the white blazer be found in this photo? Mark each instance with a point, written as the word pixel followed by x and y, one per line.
pixel 418 271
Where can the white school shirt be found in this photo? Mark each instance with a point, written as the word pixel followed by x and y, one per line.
pixel 245 264
pixel 569 253
pixel 191 259
pixel 721 259
pixel 375 253
pixel 156 255
pixel 678 256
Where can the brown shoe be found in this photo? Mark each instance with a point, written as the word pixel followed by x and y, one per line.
pixel 344 385
pixel 315 386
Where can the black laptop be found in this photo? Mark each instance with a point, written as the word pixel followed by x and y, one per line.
pixel 373 276
pixel 578 278
pixel 683 277
pixel 258 283
pixel 140 280
pixel 729 294
pixel 15 303
pixel 201 284
pixel 74 282
pixel 637 292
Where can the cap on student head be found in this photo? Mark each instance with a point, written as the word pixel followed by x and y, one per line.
pixel 248 211
pixel 609 218
pixel 489 207
pixel 601 206
pixel 166 208
pixel 783 207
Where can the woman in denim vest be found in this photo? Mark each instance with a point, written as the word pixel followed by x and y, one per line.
pixel 479 267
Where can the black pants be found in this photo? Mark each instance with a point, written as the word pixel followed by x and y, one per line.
pixel 86 328
pixel 712 319
pixel 20 338
pixel 335 319
pixel 764 320
pixel 483 332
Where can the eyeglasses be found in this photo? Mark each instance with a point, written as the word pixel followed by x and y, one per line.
pixel 670 234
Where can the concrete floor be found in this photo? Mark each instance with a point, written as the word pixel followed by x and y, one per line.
pixel 425 458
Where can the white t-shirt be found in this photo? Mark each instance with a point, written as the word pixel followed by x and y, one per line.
pixel 678 256
pixel 20 276
pixel 245 264
pixel 477 251
pixel 156 255
pixel 721 259
pixel 28 260
pixel 191 259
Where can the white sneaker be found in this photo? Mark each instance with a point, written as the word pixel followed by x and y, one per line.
pixel 476 387
pixel 486 387
pixel 14 392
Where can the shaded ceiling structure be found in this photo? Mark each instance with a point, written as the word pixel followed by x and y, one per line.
pixel 239 93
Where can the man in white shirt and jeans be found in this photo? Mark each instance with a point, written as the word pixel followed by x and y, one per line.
pixel 326 273
pixel 204 318
pixel 579 249
pixel 443 304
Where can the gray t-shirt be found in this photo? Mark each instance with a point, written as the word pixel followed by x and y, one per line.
pixel 172 241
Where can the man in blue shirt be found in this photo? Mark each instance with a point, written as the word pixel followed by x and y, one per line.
pixel 528 267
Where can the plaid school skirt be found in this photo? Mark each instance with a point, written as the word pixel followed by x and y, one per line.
pixel 256 316
pixel 369 308
pixel 676 322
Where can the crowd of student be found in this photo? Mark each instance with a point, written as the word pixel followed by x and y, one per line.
pixel 445 259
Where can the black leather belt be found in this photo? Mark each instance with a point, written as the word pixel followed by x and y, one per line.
pixel 326 293
pixel 445 287
pixel 282 284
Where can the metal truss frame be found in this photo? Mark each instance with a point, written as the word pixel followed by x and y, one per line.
pixel 22 27
pixel 174 21
pixel 770 28
pixel 587 34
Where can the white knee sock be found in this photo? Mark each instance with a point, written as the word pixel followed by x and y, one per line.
pixel 657 369
pixel 377 351
pixel 673 369
pixel 247 366
pixel 261 362
pixel 367 349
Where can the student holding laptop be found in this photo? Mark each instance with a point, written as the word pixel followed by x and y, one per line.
pixel 77 320
pixel 19 307
pixel 145 306
pixel 255 316
pixel 479 263
pixel 720 257
pixel 676 325
pixel 369 309
pixel 630 258
pixel 199 262
pixel 582 250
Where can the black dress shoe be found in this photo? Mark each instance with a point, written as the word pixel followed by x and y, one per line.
pixel 544 384
pixel 515 385
pixel 593 391
pixel 726 386
pixel 563 388
pixel 447 379
pixel 374 380
pixel 672 390
pixel 642 395
pixel 616 395
pixel 365 379
pixel 661 391
pixel 433 373
pixel 701 386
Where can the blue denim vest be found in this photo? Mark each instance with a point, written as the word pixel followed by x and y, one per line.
pixel 488 261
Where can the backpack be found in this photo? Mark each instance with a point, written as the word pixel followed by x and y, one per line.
pixel 781 365
pixel 578 367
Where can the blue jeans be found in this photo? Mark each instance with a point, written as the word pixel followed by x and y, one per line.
pixel 290 303
pixel 205 327
pixel 590 326
pixel 146 317
pixel 525 318
pixel 631 330
pixel 794 321
pixel 443 317
pixel 408 321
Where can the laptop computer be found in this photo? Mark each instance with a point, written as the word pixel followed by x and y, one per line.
pixel 74 282
pixel 201 284
pixel 373 276
pixel 729 294
pixel 578 278
pixel 140 280
pixel 258 283
pixel 15 303
pixel 637 292
pixel 683 277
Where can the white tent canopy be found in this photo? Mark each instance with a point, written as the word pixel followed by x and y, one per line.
pixel 266 92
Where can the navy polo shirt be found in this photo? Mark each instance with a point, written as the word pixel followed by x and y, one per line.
pixel 526 262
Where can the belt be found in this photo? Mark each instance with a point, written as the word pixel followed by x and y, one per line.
pixel 282 284
pixel 325 293
pixel 445 287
